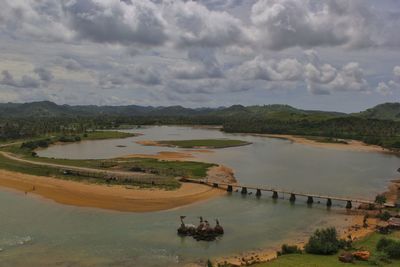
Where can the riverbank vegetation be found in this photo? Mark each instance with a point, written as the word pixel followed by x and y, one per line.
pixel 203 143
pixel 158 173
pixel 377 244
pixel 377 126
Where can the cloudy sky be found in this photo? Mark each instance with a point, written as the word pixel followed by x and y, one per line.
pixel 333 55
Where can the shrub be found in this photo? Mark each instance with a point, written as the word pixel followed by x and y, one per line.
pixel 32 145
pixel 380 199
pixel 287 249
pixel 383 243
pixel 324 242
pixel 384 216
pixel 390 247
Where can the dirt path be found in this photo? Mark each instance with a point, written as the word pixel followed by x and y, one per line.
pixel 68 167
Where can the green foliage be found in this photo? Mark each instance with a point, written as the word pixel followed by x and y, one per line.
pixel 71 138
pixel 19 121
pixel 206 143
pixel 209 263
pixel 288 249
pixel 191 169
pixel 380 199
pixel 324 242
pixel 389 246
pixel 32 145
pixel 384 216
pixel 386 111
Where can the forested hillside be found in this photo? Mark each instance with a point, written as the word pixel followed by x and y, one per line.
pixel 379 125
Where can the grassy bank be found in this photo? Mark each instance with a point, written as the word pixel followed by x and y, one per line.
pixel 151 168
pixel 328 140
pixel 101 135
pixel 306 260
pixel 203 143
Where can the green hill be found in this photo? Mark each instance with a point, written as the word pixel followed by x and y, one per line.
pixel 386 111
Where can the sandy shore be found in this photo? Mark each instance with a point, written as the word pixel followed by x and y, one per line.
pixel 352 145
pixel 117 198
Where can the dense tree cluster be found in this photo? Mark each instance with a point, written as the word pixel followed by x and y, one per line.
pixel 385 133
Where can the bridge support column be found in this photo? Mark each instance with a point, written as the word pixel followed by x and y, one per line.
pixel 310 200
pixel 348 205
pixel 275 195
pixel 292 198
pixel 215 185
pixel 258 193
pixel 329 202
pixel 229 189
pixel 244 191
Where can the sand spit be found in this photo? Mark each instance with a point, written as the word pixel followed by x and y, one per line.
pixel 119 198
pixel 352 145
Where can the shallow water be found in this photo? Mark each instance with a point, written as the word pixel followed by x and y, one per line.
pixel 38 232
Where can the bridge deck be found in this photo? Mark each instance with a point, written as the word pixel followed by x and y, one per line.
pixel 283 191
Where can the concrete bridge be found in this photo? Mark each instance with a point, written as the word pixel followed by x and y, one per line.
pixel 229 187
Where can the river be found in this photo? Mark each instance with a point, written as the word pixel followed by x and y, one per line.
pixel 38 232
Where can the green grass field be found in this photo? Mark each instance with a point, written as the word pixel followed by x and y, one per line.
pixel 204 143
pixel 308 260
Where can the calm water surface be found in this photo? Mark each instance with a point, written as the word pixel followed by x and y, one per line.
pixel 37 232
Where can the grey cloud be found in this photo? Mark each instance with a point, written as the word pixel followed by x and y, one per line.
pixel 25 82
pixel 192 24
pixel 146 76
pixel 271 70
pixel 327 79
pixel 392 85
pixel 44 74
pixel 72 65
pixel 116 21
pixel 287 23
pixel 203 64
pixel 275 24
pixel 130 77
pixel 320 78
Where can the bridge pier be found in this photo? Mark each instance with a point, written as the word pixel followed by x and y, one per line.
pixel 292 198
pixel 229 188
pixel 310 200
pixel 215 185
pixel 258 193
pixel 275 195
pixel 244 191
pixel 329 202
pixel 348 205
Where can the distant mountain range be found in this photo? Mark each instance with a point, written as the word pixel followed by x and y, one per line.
pixel 387 111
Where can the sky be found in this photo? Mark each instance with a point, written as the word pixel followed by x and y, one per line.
pixel 341 55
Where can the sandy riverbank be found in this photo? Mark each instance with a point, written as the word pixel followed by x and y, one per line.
pixel 352 145
pixel 113 197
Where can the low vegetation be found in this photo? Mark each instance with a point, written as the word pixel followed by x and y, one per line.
pixel 328 140
pixel 324 242
pixel 289 249
pixel 390 247
pixel 164 172
pixel 204 143
pixel 372 243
